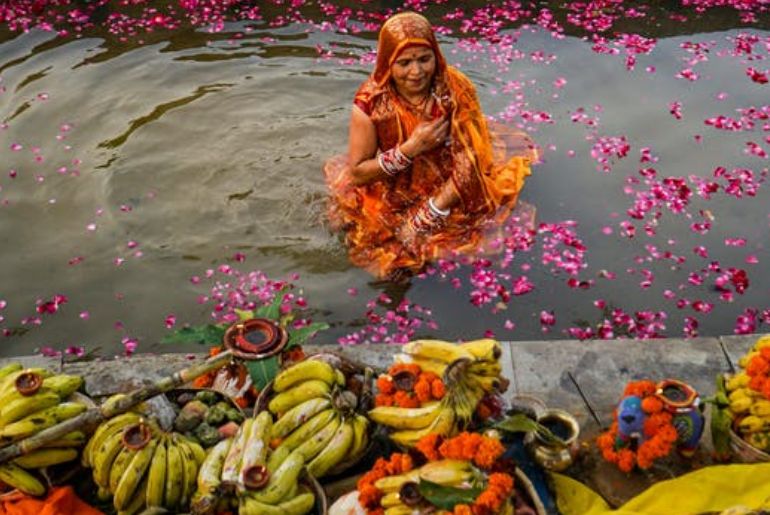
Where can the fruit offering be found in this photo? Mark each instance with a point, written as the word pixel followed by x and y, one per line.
pixel 205 416
pixel 748 393
pixel 316 409
pixel 459 475
pixel 139 465
pixel 243 472
pixel 437 387
pixel 32 400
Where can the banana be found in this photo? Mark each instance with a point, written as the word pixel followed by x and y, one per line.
pixel 760 408
pixel 137 503
pixel 119 467
pixel 485 368
pixel 232 466
pixel 360 436
pixel 405 418
pixel 282 480
pixel 277 457
pixel 739 380
pixel 198 451
pixel 16 477
pixel 426 365
pixel 485 349
pixel 315 444
pixel 104 457
pixel 760 440
pixel 309 369
pixel 443 424
pixel 299 505
pixel 17 409
pixel 63 384
pixel 298 394
pixel 174 476
pixel 103 432
pixel 190 471
pixel 44 419
pixel 391 499
pixel 156 476
pixel 9 369
pixel 308 429
pixel 443 472
pixel 133 475
pixel 8 383
pixel 390 484
pixel 298 415
pixel 438 350
pixel 339 378
pixel 209 477
pixel 486 383
pixel 42 458
pixel 73 439
pixel 334 452
pixel 740 405
pixel 399 509
pixel 255 451
pixel 753 424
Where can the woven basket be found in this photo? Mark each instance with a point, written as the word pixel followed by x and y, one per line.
pixel 744 451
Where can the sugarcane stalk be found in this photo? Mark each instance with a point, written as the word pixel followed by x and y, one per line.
pixel 95 416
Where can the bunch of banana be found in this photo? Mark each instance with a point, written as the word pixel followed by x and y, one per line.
pixel 32 400
pixel 469 370
pixel 317 417
pixel 242 471
pixel 750 409
pixel 139 465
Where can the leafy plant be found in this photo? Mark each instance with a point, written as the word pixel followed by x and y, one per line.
pixel 447 497
pixel 521 423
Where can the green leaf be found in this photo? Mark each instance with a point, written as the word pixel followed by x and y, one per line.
pixel 303 334
pixel 262 371
pixel 521 423
pixel 243 315
pixel 272 310
pixel 447 497
pixel 205 334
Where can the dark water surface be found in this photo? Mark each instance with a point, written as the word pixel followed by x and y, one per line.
pixel 197 146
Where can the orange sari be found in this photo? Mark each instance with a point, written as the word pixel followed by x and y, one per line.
pixel 484 173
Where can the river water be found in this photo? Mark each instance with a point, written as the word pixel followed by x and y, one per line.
pixel 128 167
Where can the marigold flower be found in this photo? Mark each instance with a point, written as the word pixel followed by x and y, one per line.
pixel 428 446
pixel 383 399
pixel 406 399
pixel 462 509
pixel 422 390
pixel 437 389
pixel 652 404
pixel 385 384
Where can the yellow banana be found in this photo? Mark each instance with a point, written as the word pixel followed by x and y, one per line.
pixel 282 480
pixel 17 409
pixel 438 350
pixel 334 452
pixel 739 380
pixel 298 415
pixel 299 505
pixel 209 477
pixel 339 378
pixel 750 424
pixel 760 408
pixel 16 477
pixel 137 503
pixel 426 365
pixel 232 466
pixel 156 476
pixel 104 457
pixel 739 393
pixel 42 458
pixel 360 436
pixel 740 405
pixel 485 349
pixel 277 457
pixel 486 383
pixel 399 509
pixel 309 369
pixel 8 383
pixel 298 394
pixel 73 439
pixel 133 475
pixel 760 440
pixel 63 384
pixel 44 419
pixel 9 369
pixel 257 445
pixel 119 467
pixel 190 471
pixel 390 499
pixel 443 424
pixel 103 432
pixel 316 443
pixel 405 418
pixel 304 432
pixel 485 368
pixel 443 472
pixel 174 476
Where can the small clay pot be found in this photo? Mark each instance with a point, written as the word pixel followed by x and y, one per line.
pixel 256 338
pixel 137 436
pixel 28 383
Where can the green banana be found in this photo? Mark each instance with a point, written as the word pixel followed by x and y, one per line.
pixel 209 478
pixel 103 432
pixel 308 429
pixel 174 476
pixel 282 480
pixel 133 475
pixel 17 409
pixel 298 415
pixel 405 418
pixel 42 458
pixel 16 477
pixel 298 394
pixel 299 505
pixel 232 466
pixel 190 472
pixel 63 384
pixel 309 369
pixel 104 457
pixel 315 444
pixel 73 439
pixel 156 476
pixel 44 419
pixel 277 457
pixel 198 451
pixel 119 467
pixel 334 452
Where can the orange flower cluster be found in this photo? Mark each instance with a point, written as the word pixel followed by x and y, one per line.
pixel 368 495
pixel 660 433
pixel 758 370
pixel 427 387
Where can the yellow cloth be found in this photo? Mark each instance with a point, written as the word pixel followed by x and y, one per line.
pixel 711 489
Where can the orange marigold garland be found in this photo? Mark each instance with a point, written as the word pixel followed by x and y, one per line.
pixel 658 433
pixel 482 451
pixel 406 385
pixel 758 369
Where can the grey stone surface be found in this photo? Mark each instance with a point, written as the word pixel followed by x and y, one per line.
pixel 737 346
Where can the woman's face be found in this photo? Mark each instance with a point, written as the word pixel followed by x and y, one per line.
pixel 413 69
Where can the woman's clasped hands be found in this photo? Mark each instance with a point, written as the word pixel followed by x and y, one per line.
pixel 426 136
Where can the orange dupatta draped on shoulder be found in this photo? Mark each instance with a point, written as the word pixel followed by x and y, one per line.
pixel 486 180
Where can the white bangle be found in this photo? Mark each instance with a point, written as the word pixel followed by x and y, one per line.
pixel 439 212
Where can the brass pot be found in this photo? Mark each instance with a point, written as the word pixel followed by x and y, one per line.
pixel 551 455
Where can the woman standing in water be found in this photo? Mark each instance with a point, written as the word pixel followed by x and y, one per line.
pixel 423 176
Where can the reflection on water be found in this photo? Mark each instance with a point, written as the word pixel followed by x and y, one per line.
pixel 145 164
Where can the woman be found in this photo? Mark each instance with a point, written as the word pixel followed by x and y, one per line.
pixel 423 176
